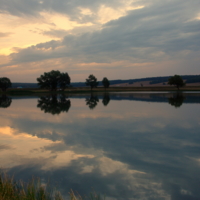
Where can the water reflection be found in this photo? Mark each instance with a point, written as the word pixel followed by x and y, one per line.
pixel 54 104
pixel 106 99
pixel 5 101
pixel 139 147
pixel 177 100
pixel 92 101
pixel 174 99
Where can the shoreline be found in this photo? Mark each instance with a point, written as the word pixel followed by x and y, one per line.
pixel 35 91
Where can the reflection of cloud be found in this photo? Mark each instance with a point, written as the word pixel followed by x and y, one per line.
pixel 63 160
pixel 146 153
pixel 159 125
pixel 25 149
pixel 109 166
pixel 100 115
pixel 7 130
pixel 5 147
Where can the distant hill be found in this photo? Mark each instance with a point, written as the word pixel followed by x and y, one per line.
pixel 24 85
pixel 134 82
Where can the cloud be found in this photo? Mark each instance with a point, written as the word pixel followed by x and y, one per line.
pixel 57 33
pixel 4 34
pixel 149 34
pixel 76 10
pixel 165 34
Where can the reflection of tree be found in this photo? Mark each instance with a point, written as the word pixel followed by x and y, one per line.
pixel 176 100
pixel 106 99
pixel 92 101
pixel 5 101
pixel 53 104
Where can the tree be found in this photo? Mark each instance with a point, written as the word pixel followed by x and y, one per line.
pixel 53 79
pixel 64 81
pixel 177 81
pixel 105 82
pixel 5 83
pixel 92 81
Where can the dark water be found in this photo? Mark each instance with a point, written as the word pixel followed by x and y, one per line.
pixel 124 145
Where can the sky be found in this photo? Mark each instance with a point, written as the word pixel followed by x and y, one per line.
pixel 117 39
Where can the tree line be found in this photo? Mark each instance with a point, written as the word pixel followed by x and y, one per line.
pixel 54 80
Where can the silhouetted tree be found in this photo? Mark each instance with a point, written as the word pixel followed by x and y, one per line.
pixel 54 79
pixel 105 82
pixel 106 99
pixel 5 83
pixel 177 81
pixel 5 101
pixel 177 100
pixel 53 104
pixel 92 101
pixel 92 81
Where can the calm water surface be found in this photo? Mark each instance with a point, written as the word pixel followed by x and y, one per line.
pixel 124 145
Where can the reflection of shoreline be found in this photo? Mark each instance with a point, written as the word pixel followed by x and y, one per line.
pixel 147 97
pixel 54 104
pixel 5 101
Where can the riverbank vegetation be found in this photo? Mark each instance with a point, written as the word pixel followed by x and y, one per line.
pixel 10 189
pixel 38 91
pixel 57 82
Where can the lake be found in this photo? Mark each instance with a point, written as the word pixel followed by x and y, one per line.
pixel 124 145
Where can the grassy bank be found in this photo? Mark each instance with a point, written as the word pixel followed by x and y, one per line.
pixel 34 190
pixel 35 91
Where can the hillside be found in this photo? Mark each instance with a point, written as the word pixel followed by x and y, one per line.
pixel 150 81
